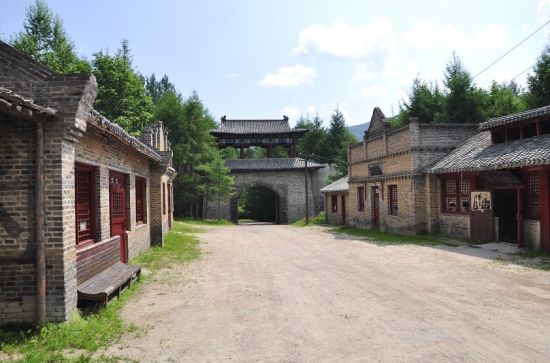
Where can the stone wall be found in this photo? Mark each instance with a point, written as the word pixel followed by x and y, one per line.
pixel 455 225
pixel 288 185
pixel 531 233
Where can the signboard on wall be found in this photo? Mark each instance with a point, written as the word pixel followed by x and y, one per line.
pixel 481 201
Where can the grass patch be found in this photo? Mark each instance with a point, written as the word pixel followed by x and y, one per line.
pixel 205 222
pixel 391 238
pixel 319 219
pixel 534 259
pixel 83 334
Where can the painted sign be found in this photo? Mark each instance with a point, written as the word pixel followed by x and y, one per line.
pixel 481 201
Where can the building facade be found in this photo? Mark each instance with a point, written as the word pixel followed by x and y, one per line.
pixel 495 187
pixel 387 184
pixel 77 193
pixel 337 201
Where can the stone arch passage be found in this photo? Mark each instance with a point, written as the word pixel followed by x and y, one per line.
pixel 280 191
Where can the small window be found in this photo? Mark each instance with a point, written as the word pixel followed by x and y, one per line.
pixel 334 203
pixel 163 198
pixel 529 130
pixel 84 203
pixel 532 200
pixel 361 199
pixel 141 214
pixel 499 136
pixel 513 133
pixel 392 200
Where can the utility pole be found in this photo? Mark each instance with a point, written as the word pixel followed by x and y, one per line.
pixel 306 177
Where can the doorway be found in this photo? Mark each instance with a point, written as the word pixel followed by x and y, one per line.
pixel 343 209
pixel 258 204
pixel 117 208
pixel 505 206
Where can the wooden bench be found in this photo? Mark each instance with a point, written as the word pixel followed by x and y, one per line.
pixel 108 282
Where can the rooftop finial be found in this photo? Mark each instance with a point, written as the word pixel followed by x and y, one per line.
pixel 285 117
pixel 223 118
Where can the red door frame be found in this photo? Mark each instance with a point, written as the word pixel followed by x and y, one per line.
pixel 117 211
pixel 375 202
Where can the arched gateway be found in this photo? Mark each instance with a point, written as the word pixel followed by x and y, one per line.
pixel 286 177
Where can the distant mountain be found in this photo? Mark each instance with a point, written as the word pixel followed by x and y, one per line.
pixel 359 130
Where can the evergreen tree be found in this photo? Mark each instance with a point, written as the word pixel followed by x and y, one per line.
pixel 122 96
pixel 338 138
pixel 44 39
pixel 462 103
pixel 503 99
pixel 217 182
pixel 315 141
pixel 425 103
pixel 155 89
pixel 539 81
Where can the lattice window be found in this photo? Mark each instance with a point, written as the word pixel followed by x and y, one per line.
pixel 360 199
pixel 532 202
pixel 141 214
pixel 392 200
pixel 334 203
pixel 456 195
pixel 84 180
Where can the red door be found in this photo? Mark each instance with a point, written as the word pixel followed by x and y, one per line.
pixel 117 203
pixel 375 196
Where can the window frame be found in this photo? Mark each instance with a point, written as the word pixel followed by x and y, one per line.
pixel 393 207
pixel 360 199
pixel 141 185
pixel 532 196
pixel 92 170
pixel 163 199
pixel 458 194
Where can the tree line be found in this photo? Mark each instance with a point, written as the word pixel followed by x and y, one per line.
pixel 462 101
pixel 133 101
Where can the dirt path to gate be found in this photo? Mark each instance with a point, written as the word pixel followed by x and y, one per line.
pixel 285 294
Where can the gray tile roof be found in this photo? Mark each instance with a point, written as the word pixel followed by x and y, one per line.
pixel 255 127
pixel 270 164
pixel 478 153
pixel 341 185
pixel 516 117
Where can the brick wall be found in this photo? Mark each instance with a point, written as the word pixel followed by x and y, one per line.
pixel 336 217
pixel 96 257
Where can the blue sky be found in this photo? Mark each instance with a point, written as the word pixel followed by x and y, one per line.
pixel 263 59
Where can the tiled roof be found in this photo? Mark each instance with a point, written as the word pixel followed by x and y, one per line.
pixel 255 127
pixel 479 153
pixel 341 185
pixel 19 104
pixel 516 117
pixel 270 164
pixel 101 121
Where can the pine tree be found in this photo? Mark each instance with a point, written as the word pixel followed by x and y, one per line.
pixel 462 104
pixel 539 81
pixel 44 39
pixel 425 103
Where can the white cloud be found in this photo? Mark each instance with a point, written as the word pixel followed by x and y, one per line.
pixel 374 91
pixel 543 10
pixel 292 112
pixel 364 72
pixel 374 43
pixel 294 76
pixel 428 35
pixel 311 110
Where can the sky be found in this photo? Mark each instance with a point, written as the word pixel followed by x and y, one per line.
pixel 265 59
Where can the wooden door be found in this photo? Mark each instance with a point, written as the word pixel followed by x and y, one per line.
pixel 375 197
pixel 343 198
pixel 481 216
pixel 117 205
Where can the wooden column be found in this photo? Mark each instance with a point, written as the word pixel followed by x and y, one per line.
pixel 242 152
pixel 269 151
pixel 544 211
pixel 293 148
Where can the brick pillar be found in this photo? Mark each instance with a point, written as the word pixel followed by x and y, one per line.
pixel 155 205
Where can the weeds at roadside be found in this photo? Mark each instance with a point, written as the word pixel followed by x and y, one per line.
pixel 319 219
pixel 386 238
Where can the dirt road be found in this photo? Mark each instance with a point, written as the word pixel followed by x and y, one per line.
pixel 285 294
